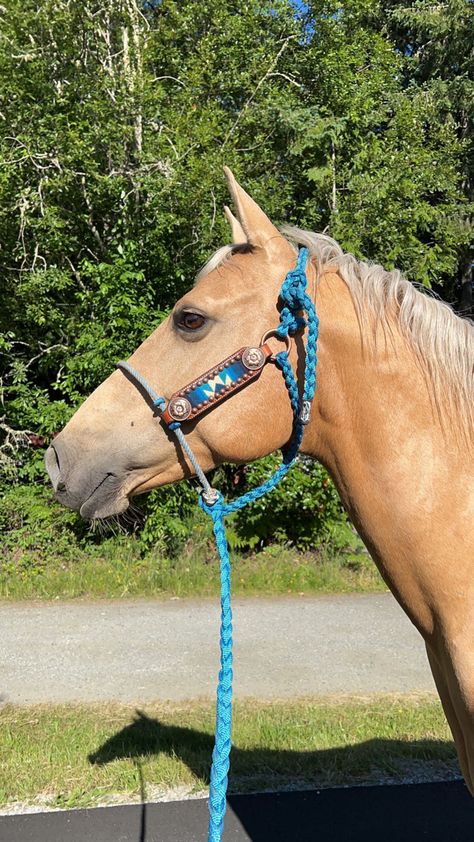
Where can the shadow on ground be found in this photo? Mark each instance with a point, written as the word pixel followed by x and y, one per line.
pixel 440 812
pixel 146 736
pixel 435 812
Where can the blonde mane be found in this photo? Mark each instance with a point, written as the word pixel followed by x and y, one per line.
pixel 441 341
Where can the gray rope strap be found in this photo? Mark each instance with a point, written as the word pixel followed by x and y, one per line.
pixel 159 402
pixel 210 494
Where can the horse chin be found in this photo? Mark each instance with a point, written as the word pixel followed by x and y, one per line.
pixel 96 509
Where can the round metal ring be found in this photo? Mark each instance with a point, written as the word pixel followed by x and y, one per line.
pixel 285 339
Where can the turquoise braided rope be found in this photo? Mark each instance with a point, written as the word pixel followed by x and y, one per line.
pixel 223 738
pixel 296 300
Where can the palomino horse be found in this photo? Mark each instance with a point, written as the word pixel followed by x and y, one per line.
pixel 392 422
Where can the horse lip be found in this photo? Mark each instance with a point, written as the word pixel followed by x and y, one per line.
pixel 92 510
pixel 98 505
pixel 114 507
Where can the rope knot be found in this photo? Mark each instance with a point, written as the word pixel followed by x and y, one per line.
pixel 289 323
pixel 293 294
pixel 214 507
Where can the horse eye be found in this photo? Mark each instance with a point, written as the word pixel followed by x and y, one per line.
pixel 191 321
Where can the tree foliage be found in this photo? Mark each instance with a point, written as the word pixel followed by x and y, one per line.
pixel 115 121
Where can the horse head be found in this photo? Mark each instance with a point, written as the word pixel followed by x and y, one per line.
pixel 115 446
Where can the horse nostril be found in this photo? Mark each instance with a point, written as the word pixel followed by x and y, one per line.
pixel 52 466
pixel 61 486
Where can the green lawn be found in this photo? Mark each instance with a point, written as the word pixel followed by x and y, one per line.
pixel 118 572
pixel 77 755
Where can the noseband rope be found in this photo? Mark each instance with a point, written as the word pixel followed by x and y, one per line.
pixel 200 396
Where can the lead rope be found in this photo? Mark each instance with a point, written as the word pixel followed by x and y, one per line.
pixel 296 301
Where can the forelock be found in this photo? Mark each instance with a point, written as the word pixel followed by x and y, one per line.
pixel 221 255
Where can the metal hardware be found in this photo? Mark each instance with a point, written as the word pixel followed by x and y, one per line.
pixel 285 339
pixel 305 414
pixel 210 497
pixel 179 409
pixel 253 358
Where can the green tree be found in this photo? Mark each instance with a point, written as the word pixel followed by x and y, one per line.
pixel 372 146
pixel 115 124
pixel 437 42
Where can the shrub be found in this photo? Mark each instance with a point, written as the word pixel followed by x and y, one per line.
pixel 301 511
pixel 34 527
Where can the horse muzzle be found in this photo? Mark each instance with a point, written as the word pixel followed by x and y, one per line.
pixel 83 484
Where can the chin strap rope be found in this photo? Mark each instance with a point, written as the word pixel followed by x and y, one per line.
pixel 296 302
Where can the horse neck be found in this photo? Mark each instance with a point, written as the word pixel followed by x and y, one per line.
pixel 377 432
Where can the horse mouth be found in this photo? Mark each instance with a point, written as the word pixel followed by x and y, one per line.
pixel 112 497
pixel 93 490
pixel 104 500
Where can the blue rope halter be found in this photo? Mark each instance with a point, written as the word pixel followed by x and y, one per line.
pixel 296 301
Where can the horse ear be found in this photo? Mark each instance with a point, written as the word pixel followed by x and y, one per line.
pixel 255 223
pixel 238 233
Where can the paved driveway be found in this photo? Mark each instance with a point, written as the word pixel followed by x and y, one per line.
pixel 442 812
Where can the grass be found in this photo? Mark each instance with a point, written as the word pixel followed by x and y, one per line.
pixel 117 571
pixel 71 756
pixel 49 554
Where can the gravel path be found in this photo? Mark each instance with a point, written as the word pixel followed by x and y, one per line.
pixel 142 650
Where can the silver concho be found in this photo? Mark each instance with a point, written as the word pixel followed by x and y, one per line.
pixel 253 358
pixel 179 409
